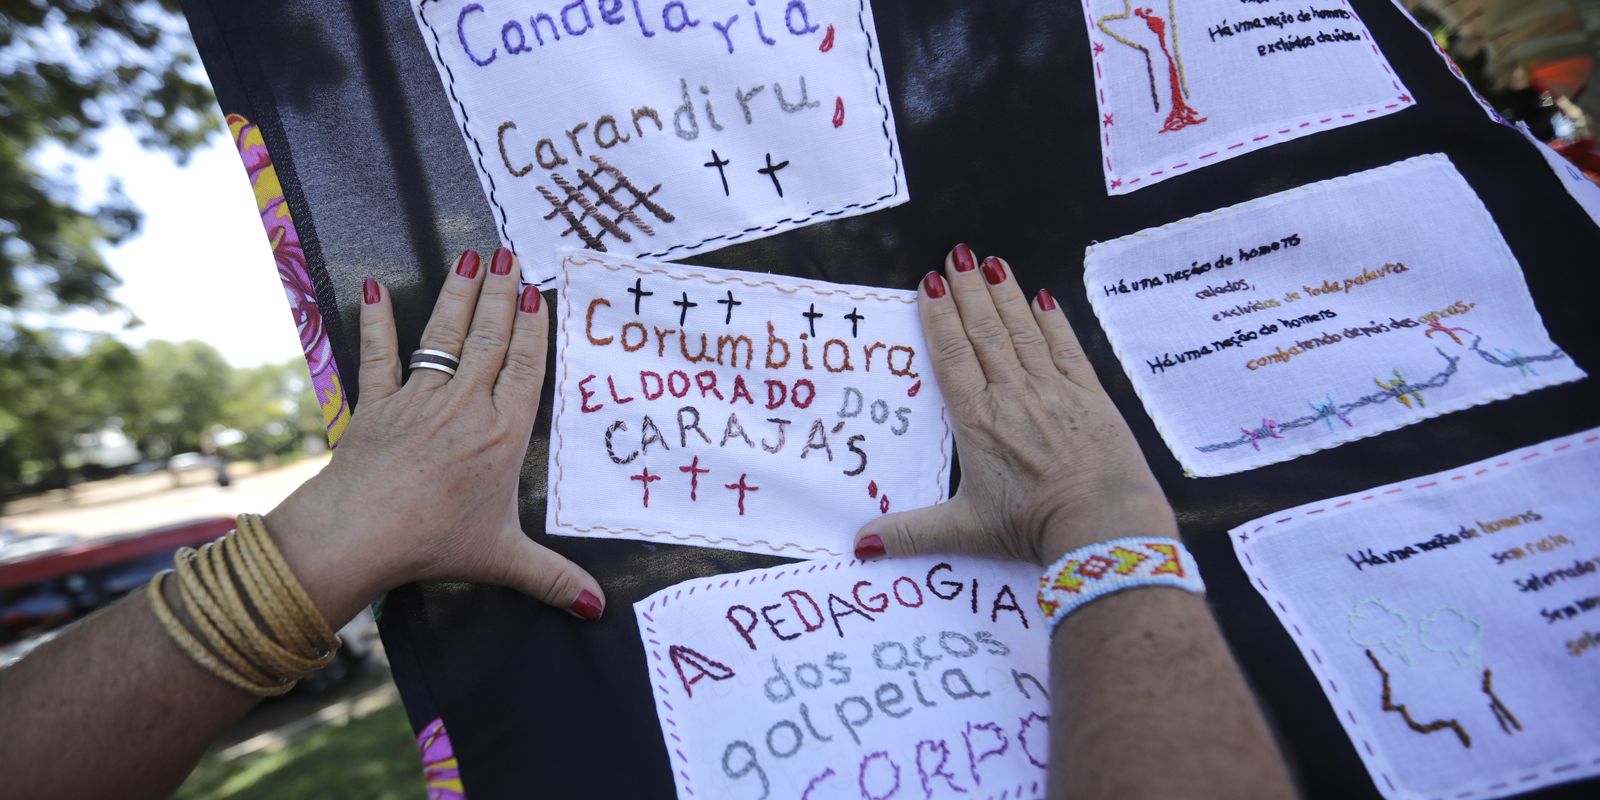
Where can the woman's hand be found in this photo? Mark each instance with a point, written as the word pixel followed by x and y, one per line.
pixel 423 485
pixel 1047 462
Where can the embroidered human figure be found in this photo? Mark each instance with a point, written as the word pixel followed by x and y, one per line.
pixel 1180 114
pixel 1435 326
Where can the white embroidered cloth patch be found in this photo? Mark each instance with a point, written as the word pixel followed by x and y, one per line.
pixel 738 410
pixel 921 677
pixel 1320 315
pixel 665 127
pixel 1572 179
pixel 1184 85
pixel 1453 620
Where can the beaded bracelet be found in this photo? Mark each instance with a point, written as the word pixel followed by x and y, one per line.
pixel 1084 575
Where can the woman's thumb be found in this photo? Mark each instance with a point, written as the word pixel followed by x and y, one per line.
pixel 934 529
pixel 542 573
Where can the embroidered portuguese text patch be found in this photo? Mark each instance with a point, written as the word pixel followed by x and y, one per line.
pixel 1321 315
pixel 738 410
pixel 665 127
pixel 1184 85
pixel 1453 619
pixel 922 677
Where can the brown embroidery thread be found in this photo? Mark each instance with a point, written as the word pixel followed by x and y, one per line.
pixel 1431 727
pixel 579 260
pixel 1502 714
pixel 606 197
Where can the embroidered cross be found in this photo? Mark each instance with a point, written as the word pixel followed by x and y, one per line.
pixel 683 307
pixel 730 303
pixel 695 471
pixel 638 292
pixel 855 319
pixel 1405 98
pixel 718 162
pixel 742 488
pixel 812 315
pixel 1116 183
pixel 1099 48
pixel 645 478
pixel 771 171
pixel 1109 120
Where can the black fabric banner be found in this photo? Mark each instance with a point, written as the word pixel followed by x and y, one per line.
pixel 997 125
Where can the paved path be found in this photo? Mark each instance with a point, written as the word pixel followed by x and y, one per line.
pixel 129 504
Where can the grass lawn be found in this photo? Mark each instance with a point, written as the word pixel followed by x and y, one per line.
pixel 370 758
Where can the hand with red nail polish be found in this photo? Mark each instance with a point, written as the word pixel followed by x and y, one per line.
pixel 1047 462
pixel 423 485
pixel 1048 466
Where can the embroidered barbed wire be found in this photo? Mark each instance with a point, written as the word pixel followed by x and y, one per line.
pixel 607 199
pixel 1397 389
pixel 1341 411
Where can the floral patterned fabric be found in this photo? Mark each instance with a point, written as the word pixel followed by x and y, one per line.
pixel 439 769
pixel 279 225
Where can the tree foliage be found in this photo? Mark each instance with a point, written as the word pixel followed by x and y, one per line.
pixel 169 397
pixel 68 68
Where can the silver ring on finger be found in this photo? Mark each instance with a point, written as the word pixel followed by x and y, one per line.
pixel 436 360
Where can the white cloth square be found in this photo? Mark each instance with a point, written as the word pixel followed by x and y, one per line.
pixel 1453 620
pixel 738 410
pixel 1184 85
pixel 1577 184
pixel 1321 315
pixel 922 677
pixel 665 127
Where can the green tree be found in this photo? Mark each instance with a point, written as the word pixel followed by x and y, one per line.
pixel 53 395
pixel 273 406
pixel 68 68
pixel 180 394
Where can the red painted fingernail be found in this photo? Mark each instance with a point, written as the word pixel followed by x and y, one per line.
pixel 1046 301
pixel 501 264
pixel 370 293
pixel 994 271
pixel 934 284
pixel 467 264
pixel 531 299
pixel 587 606
pixel 870 547
pixel 963 258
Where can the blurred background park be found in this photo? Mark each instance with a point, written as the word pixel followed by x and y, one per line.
pixel 152 383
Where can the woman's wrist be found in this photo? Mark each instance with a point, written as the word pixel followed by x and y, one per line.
pixel 1117 513
pixel 340 570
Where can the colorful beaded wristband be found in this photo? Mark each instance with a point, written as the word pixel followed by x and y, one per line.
pixel 1089 573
